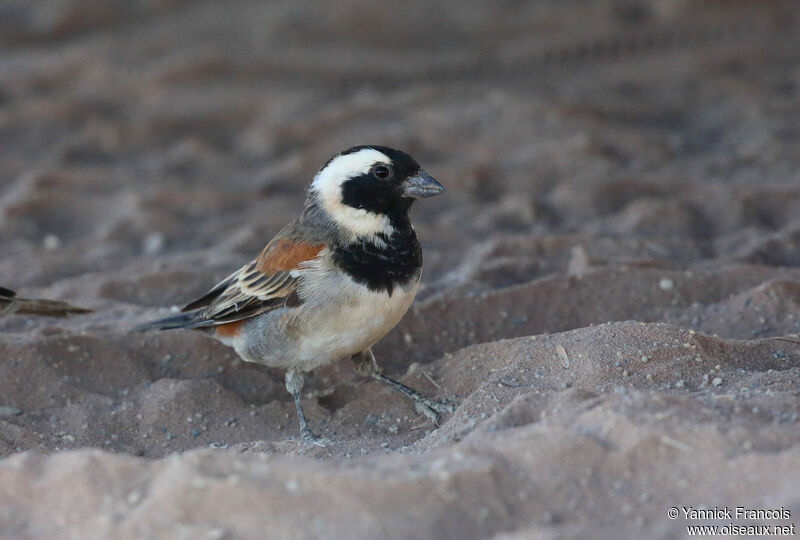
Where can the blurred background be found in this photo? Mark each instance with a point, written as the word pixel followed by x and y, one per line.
pixel 138 134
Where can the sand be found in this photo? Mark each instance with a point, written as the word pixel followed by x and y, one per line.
pixel 604 279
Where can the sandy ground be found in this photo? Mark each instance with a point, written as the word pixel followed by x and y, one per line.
pixel 618 246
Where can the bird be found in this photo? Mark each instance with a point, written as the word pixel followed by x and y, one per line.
pixel 332 282
pixel 11 303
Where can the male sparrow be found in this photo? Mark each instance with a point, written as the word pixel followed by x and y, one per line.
pixel 331 283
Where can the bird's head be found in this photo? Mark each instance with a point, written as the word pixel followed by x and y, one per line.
pixel 368 190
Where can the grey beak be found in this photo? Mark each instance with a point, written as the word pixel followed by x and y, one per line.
pixel 421 186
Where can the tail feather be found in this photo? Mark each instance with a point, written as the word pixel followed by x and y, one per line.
pixel 182 320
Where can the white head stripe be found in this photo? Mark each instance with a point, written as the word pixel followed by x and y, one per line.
pixel 328 187
pixel 343 167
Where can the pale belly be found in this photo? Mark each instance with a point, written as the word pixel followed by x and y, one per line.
pixel 348 322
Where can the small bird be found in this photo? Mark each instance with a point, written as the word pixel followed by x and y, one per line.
pixel 332 282
pixel 11 303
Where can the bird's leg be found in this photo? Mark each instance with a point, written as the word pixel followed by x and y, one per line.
pixel 294 384
pixel 364 364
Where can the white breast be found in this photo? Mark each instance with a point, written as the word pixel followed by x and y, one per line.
pixel 340 317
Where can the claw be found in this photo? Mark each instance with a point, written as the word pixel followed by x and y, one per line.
pixel 309 438
pixel 441 407
pixel 427 410
pixel 432 409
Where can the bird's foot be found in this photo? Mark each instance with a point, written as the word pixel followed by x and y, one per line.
pixel 365 365
pixel 432 409
pixel 310 439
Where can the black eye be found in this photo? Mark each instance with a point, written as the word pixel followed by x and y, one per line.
pixel 381 172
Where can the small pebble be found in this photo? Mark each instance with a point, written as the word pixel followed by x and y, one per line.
pixel 133 497
pixel 292 485
pixel 717 381
pixel 153 243
pixel 666 284
pixel 9 411
pixel 51 242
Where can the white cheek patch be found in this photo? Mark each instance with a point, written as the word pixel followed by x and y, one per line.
pixel 328 187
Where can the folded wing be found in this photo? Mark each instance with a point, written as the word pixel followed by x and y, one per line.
pixel 262 285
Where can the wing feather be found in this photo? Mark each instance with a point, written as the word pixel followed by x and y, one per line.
pixel 261 285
